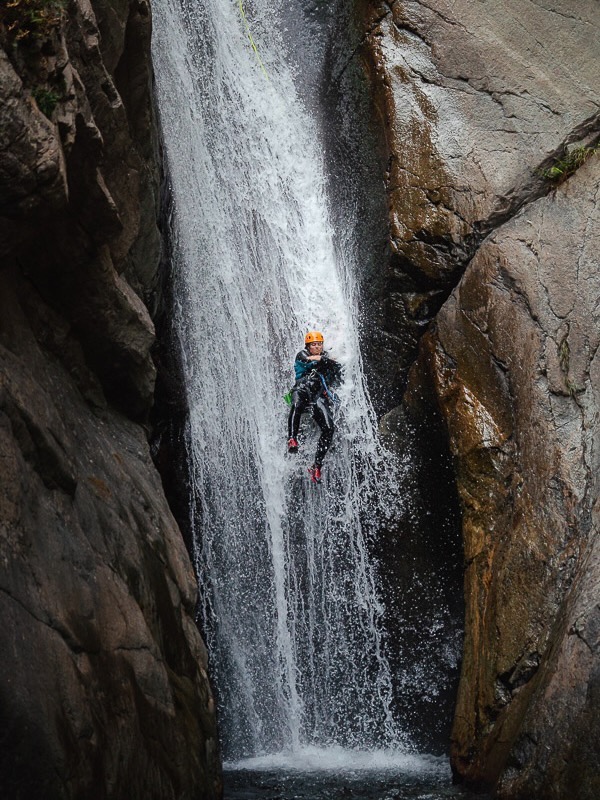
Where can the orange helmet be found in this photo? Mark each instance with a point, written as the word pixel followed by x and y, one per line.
pixel 313 336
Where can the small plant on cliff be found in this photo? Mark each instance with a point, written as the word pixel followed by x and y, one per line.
pixel 46 100
pixel 25 20
pixel 564 167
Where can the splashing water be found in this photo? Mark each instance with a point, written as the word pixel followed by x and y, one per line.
pixel 290 606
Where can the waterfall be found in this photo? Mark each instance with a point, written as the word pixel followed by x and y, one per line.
pixel 290 607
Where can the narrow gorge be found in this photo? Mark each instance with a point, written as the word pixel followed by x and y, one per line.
pixel 187 186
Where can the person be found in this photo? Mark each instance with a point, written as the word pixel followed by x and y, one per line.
pixel 317 375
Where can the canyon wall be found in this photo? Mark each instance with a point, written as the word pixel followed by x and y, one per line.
pixel 488 322
pixel 103 683
pixel 490 114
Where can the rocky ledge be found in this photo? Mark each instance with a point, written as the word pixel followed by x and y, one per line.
pixel 103 672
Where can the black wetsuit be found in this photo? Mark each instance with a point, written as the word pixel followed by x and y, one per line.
pixel 315 381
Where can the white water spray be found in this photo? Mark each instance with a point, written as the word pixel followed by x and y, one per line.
pixel 291 612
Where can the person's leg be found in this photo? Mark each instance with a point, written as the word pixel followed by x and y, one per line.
pixel 324 419
pixel 298 407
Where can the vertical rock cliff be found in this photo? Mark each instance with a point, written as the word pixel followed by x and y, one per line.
pixel 491 120
pixel 103 685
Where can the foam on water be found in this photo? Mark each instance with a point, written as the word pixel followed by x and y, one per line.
pixel 340 760
pixel 289 601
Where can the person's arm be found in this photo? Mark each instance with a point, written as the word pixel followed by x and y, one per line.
pixel 304 363
pixel 327 363
pixel 331 369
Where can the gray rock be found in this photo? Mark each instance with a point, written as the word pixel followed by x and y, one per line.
pixel 103 671
pixel 31 164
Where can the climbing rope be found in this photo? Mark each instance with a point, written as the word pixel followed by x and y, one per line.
pixel 254 47
pixel 333 397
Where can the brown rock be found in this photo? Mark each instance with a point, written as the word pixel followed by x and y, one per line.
pixel 475 100
pixel 520 412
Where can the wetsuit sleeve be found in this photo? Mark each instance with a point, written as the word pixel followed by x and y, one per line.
pixel 302 365
pixel 331 370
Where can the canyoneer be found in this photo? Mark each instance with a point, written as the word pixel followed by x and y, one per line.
pixel 317 375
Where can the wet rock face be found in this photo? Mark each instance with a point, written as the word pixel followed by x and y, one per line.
pixel 473 99
pixel 512 358
pixel 77 177
pixel 103 681
pixel 477 100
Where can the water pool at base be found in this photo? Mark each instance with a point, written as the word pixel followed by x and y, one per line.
pixel 341 775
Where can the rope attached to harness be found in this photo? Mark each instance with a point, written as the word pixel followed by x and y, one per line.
pixel 254 47
pixel 330 394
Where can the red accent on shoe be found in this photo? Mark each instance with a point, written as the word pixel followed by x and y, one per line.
pixel 292 446
pixel 315 473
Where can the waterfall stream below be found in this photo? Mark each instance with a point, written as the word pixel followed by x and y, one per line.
pixel 291 605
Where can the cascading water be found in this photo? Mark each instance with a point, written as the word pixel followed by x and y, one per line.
pixel 290 606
